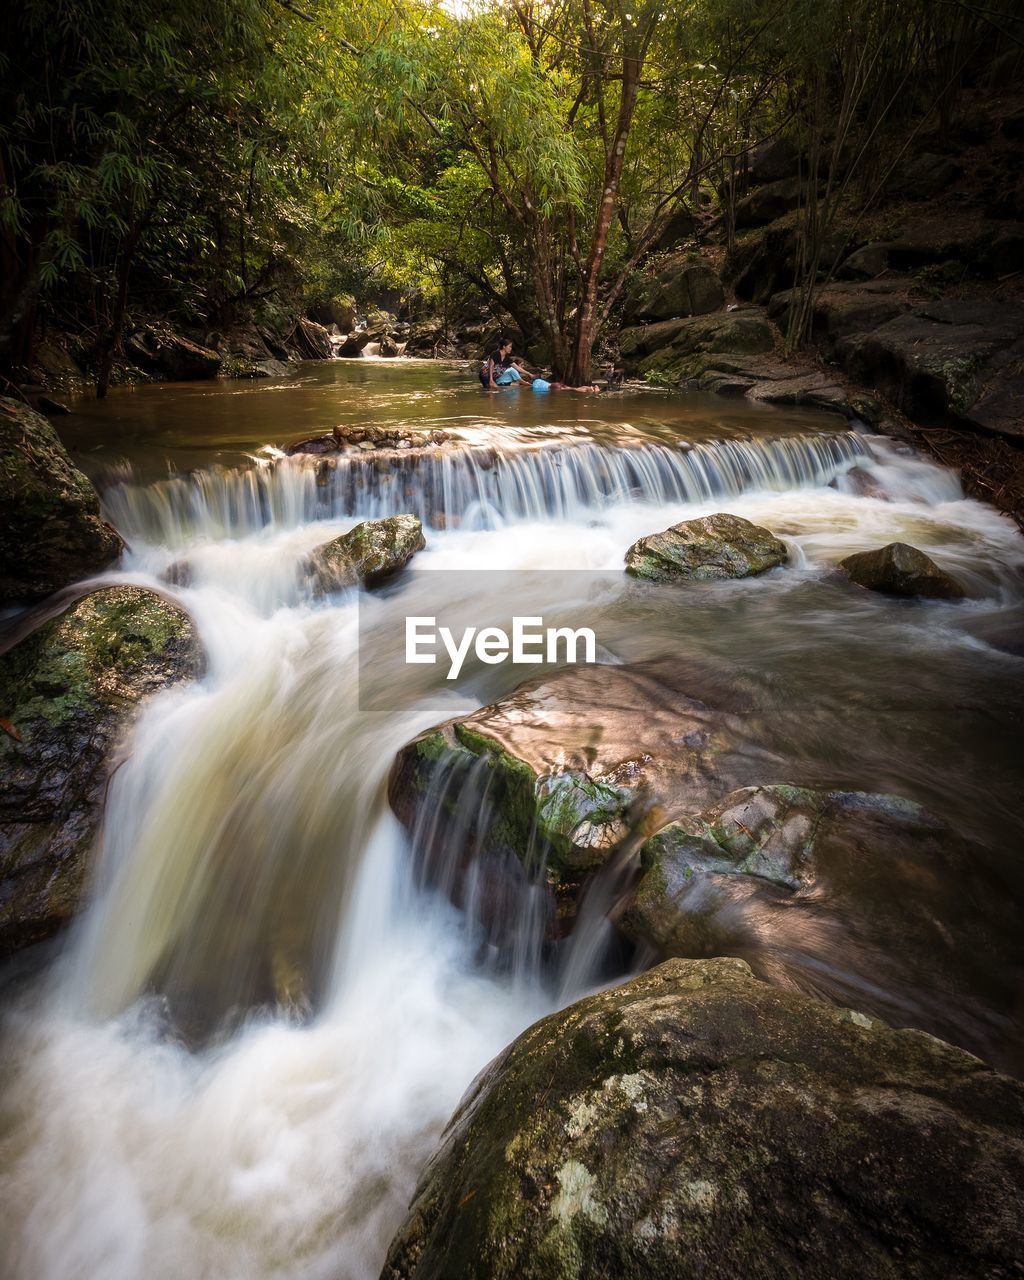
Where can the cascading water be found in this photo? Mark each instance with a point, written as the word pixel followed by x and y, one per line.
pixel 170 1105
pixel 477 488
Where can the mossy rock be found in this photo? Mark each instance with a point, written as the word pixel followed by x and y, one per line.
pixel 370 553
pixel 674 349
pixel 555 778
pixel 697 1123
pixel 710 548
pixel 51 532
pixel 846 894
pixel 67 692
pixel 680 285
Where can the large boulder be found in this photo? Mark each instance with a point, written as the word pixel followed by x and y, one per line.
pixel 553 779
pixel 812 887
pixel 246 354
pixel 924 176
pixel 959 359
pixel 341 310
pixel 51 532
pixel 705 550
pixel 370 553
pixel 353 345
pixel 697 1123
pixel 769 202
pixel 898 569
pixel 764 260
pixel 680 286
pixel 842 308
pixel 167 354
pixel 681 350
pixel 773 160
pixel 66 695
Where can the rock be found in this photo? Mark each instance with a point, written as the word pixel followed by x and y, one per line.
pixel 328 443
pixel 378 325
pixel 681 286
pixel 169 355
pixel 51 532
pixel 764 260
pixel 68 691
pixel 369 553
pixel 839 309
pixel 56 365
pixel 869 260
pixel 696 1123
pixel 673 351
pixel 708 549
pixel 767 203
pixel 341 311
pixel 770 161
pixel 900 570
pixel 680 226
pixel 956 359
pixel 245 354
pixel 353 345
pixel 924 176
pixel 811 887
pixel 388 348
pixel 561 773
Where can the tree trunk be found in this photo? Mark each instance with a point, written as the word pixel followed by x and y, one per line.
pixel 586 327
pixel 112 338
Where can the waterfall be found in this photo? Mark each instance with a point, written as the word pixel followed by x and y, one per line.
pixel 169 1108
pixel 472 488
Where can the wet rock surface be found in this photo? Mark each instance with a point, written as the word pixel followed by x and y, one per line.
pixel 697 1122
pixel 51 531
pixel 565 786
pixel 901 570
pixel 812 887
pixel 707 549
pixel 370 553
pixel 67 692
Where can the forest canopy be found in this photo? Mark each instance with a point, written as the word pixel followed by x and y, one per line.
pixel 203 160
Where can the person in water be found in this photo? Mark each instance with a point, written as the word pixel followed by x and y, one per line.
pixel 501 369
pixel 539 384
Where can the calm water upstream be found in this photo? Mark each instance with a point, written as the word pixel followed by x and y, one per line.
pixel 288 1143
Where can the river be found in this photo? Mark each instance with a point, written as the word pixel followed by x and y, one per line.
pixel 286 1141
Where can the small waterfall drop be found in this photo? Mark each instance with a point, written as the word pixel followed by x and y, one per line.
pixel 471 488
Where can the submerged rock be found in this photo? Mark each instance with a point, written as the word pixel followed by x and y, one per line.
pixel 66 693
pixel 901 570
pixel 710 548
pixel 696 1122
pixel 812 887
pixel 369 553
pixel 556 777
pixel 51 532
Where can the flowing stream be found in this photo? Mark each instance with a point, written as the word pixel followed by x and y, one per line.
pixel 161 1114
